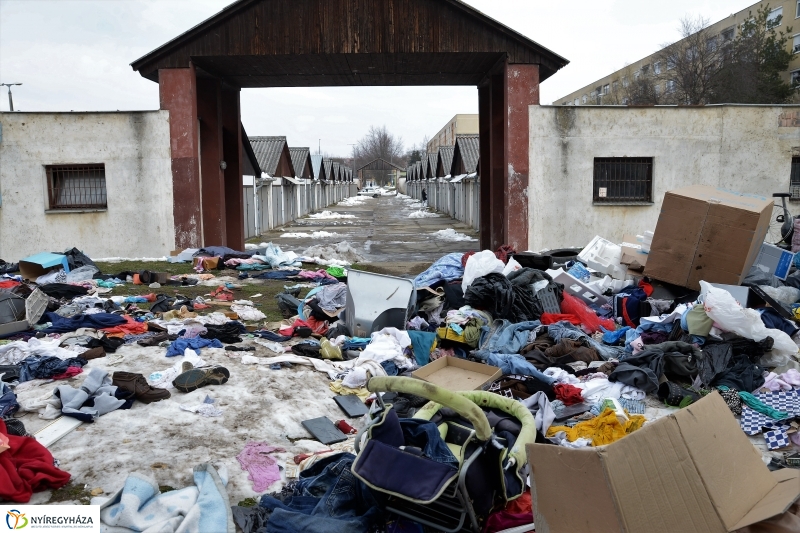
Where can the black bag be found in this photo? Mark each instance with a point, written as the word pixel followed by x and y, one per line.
pixel 288 304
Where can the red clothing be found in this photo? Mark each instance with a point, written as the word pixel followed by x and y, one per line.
pixel 568 394
pixel 27 467
pixel 552 318
pixel 71 371
pixel 9 284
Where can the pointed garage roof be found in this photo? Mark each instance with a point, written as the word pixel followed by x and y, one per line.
pixel 466 154
pixel 273 156
pixel 301 162
pixel 333 43
pixel 445 162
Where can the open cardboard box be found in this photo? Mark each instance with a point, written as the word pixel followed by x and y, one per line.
pixel 694 470
pixel 456 374
pixel 37 265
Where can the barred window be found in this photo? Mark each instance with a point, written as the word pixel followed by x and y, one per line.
pixel 623 179
pixel 794 180
pixel 77 186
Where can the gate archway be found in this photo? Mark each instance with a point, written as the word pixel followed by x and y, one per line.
pixel 315 43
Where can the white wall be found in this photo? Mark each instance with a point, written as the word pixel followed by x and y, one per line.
pixel 135 147
pixel 741 148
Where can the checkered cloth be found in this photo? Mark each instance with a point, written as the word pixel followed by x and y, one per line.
pixel 775 431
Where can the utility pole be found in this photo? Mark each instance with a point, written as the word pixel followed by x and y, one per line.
pixel 10 99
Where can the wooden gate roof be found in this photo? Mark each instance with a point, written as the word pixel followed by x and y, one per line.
pixel 297 43
pixel 379 164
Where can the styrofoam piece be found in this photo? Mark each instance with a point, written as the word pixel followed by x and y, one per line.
pixel 35 306
pixel 579 289
pixel 616 285
pixel 603 256
pixel 56 430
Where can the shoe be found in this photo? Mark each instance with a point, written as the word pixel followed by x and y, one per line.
pixel 676 396
pixel 194 378
pixel 136 384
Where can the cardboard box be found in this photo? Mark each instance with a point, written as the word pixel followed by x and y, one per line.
pixel 457 374
pixel 694 470
pixel 37 265
pixel 710 234
pixel 632 254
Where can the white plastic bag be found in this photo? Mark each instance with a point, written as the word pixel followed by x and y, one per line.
pixel 479 265
pixel 84 273
pixel 512 266
pixel 726 312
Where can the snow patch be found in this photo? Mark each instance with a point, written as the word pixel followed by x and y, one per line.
pixel 339 254
pixel 353 201
pixel 416 205
pixel 314 235
pixel 330 215
pixel 450 234
pixel 423 214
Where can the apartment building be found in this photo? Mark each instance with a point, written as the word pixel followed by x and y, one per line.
pixel 607 90
pixel 458 125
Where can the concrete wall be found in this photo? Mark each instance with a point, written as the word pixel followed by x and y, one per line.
pixel 741 148
pixel 135 148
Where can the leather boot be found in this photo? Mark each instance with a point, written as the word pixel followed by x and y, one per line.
pixel 137 384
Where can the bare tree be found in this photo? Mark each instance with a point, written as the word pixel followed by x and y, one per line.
pixel 379 143
pixel 686 72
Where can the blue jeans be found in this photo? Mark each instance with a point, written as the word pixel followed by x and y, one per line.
pixel 511 363
pixel 328 499
pixel 565 330
pixel 425 435
pixel 506 337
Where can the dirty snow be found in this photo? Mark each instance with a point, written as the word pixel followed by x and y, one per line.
pixel 330 215
pixel 416 205
pixel 354 201
pixel 423 214
pixel 313 235
pixel 339 254
pixel 165 442
pixel 450 234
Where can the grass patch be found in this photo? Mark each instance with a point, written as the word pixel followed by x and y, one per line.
pixel 248 502
pixel 72 492
pixel 249 287
pixel 165 488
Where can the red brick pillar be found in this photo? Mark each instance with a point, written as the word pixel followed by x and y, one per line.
pixel 503 101
pixel 178 95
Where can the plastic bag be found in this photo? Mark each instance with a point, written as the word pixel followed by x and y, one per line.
pixel 480 264
pixel 785 295
pixel 512 266
pixel 571 305
pixel 726 313
pixel 80 274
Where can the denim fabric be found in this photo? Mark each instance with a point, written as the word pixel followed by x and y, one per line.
pixel 446 268
pixel 390 368
pixel 46 366
pixel 565 330
pixel 327 499
pixel 425 435
pixel 506 337
pixel 8 401
pixel 355 343
pixel 511 363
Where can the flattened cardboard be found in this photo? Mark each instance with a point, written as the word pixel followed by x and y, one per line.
pixel 706 233
pixel 693 470
pixel 457 374
pixel 37 265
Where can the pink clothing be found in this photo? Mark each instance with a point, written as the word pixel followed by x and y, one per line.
pixel 262 467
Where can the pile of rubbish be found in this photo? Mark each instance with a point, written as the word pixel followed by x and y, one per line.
pixel 489 377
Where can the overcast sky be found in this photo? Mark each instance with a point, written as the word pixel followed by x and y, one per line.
pixel 76 55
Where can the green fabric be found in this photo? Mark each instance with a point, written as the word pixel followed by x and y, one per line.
pixel 329 351
pixel 757 405
pixel 336 272
pixel 422 343
pixel 698 321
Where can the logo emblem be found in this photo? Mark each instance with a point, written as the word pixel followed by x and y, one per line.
pixel 16 519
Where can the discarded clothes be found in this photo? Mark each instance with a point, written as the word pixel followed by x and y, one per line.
pixel 45 367
pixel 95 397
pixel 179 346
pixel 95 321
pixel 447 268
pixel 262 468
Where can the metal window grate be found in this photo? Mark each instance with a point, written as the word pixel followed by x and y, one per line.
pixel 794 180
pixel 623 179
pixel 77 186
